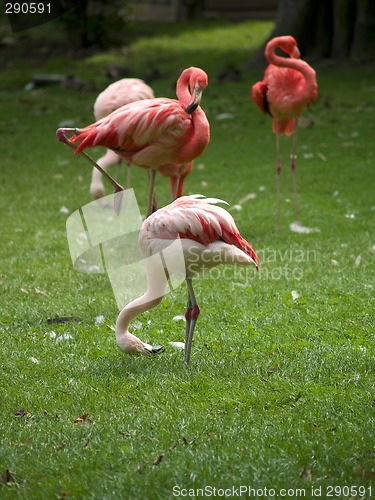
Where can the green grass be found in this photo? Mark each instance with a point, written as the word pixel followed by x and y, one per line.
pixel 280 392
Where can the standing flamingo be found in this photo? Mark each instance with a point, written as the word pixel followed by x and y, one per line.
pixel 153 133
pixel 288 87
pixel 208 237
pixel 117 94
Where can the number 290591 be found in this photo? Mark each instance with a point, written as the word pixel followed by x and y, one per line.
pixel 27 8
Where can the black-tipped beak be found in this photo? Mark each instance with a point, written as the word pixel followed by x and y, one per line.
pixel 157 349
pixel 195 99
pixel 296 54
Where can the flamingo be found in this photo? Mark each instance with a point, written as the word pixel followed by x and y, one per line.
pixel 117 94
pixel 152 133
pixel 288 87
pixel 208 237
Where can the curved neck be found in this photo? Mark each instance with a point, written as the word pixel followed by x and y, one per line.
pixel 182 87
pixel 156 287
pixel 290 62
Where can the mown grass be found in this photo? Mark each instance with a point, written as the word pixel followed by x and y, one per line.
pixel 280 392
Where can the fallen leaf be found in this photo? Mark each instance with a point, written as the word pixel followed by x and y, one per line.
pixel 357 261
pixel 295 295
pixel 83 419
pixel 99 320
pixel 225 116
pixel 304 122
pixel 22 413
pixel 178 345
pixel 306 474
pixel 180 317
pixel 64 320
pixel 64 336
pixel 158 460
pixel 38 291
pixel 8 478
pixel 23 290
pixel 250 196
pixel 322 156
pixel 295 227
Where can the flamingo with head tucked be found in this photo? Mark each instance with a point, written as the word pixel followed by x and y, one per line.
pixel 152 133
pixel 208 237
pixel 117 94
pixel 288 87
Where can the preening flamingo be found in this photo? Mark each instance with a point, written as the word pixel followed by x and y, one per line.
pixel 288 87
pixel 153 133
pixel 117 94
pixel 208 237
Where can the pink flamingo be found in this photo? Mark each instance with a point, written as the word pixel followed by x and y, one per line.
pixel 208 237
pixel 152 133
pixel 117 94
pixel 288 87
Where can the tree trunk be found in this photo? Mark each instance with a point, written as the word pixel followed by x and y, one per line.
pixel 340 29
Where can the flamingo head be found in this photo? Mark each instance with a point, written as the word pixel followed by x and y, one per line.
pixel 198 82
pixel 288 45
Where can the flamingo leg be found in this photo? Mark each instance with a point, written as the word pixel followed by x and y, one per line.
pixel 293 159
pixel 128 175
pixel 191 315
pixel 278 173
pixel 118 168
pixel 61 136
pixel 151 200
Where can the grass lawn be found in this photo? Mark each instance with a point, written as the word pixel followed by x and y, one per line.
pixel 280 393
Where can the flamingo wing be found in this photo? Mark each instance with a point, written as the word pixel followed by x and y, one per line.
pixel 200 220
pixel 131 127
pixel 259 95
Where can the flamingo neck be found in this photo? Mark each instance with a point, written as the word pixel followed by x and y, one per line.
pixel 293 63
pixel 157 283
pixel 182 87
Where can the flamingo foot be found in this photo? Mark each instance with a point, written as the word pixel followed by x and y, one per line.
pixel 61 135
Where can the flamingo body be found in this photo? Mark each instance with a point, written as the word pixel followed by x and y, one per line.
pixel 208 237
pixel 117 94
pixel 149 133
pixel 288 86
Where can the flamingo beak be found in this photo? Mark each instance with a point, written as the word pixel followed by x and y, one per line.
pixel 195 99
pixel 296 54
